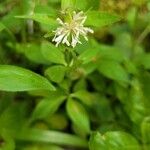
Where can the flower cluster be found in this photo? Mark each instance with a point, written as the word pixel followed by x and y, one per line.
pixel 69 32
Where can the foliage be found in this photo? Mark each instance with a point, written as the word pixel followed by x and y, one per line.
pixel 94 96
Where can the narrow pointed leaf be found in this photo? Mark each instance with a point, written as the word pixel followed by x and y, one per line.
pixel 54 137
pixel 100 19
pixel 48 106
pixel 2 27
pixel 114 141
pixel 113 70
pixel 78 115
pixel 52 53
pixel 13 78
pixel 56 73
pixel 41 18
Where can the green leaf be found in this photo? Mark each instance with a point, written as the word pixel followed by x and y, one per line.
pixel 131 16
pixel 56 73
pixel 113 70
pixel 90 67
pixel 97 142
pixel 83 95
pixel 45 9
pixel 113 141
pixel 131 67
pixel 144 60
pixel 93 4
pixel 103 109
pixel 10 22
pixel 52 53
pixel 33 53
pixel 2 27
pixel 12 119
pixel 88 55
pixel 67 4
pixel 82 5
pixel 137 108
pixel 42 147
pixel 54 120
pixel 145 129
pixel 9 143
pixel 41 18
pixel 145 85
pixel 100 19
pixel 47 136
pixel 14 78
pixel 78 115
pixel 48 106
pixel 80 85
pixel 111 52
pixel 121 140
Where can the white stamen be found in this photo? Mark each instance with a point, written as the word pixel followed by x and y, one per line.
pixel 69 32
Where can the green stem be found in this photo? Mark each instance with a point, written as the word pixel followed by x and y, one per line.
pixel 143 35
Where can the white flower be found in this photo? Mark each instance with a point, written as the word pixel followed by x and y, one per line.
pixel 69 32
